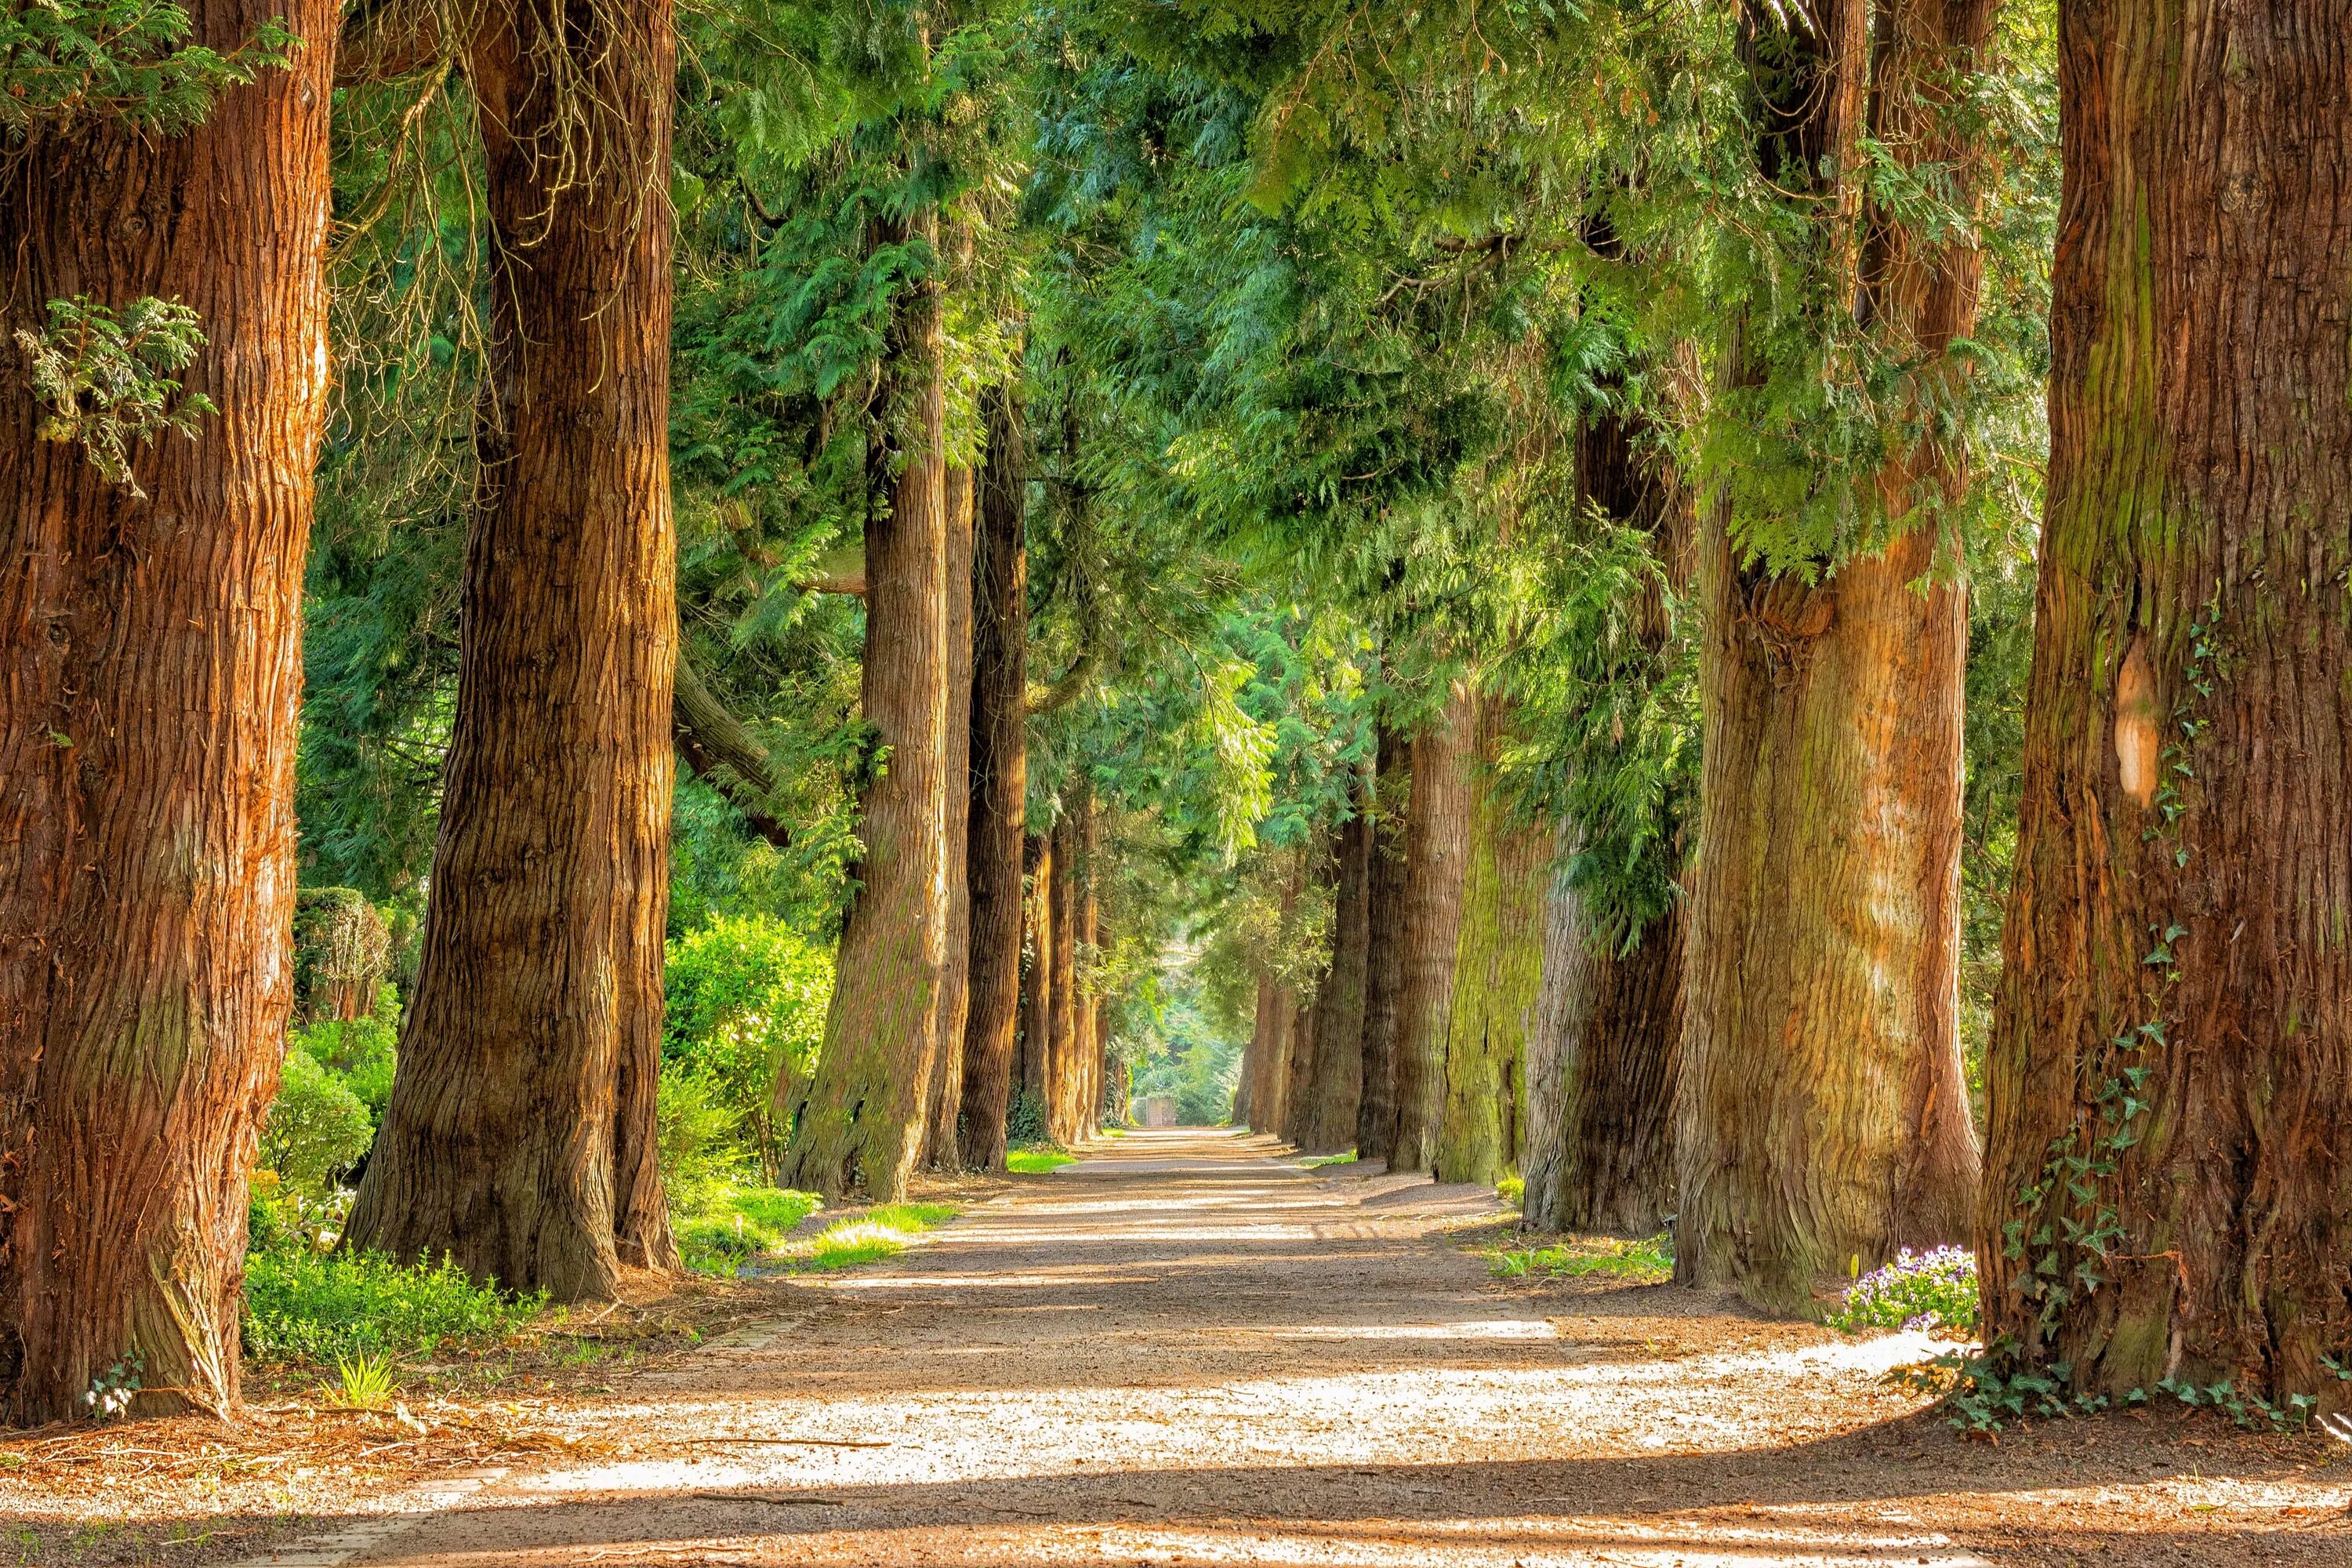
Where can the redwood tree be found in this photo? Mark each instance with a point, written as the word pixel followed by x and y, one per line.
pixel 858 1124
pixel 946 1098
pixel 999 776
pixel 150 647
pixel 1325 1117
pixel 519 1135
pixel 1821 1116
pixel 1436 847
pixel 1384 946
pixel 2170 1184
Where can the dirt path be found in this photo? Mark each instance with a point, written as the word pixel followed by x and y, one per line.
pixel 1183 1350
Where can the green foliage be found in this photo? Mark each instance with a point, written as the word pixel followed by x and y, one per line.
pixel 362 1382
pixel 362 1052
pixel 747 1000
pixel 1512 1190
pixel 696 1133
pixel 106 380
pixel 731 1225
pixel 1025 1118
pixel 1649 1262
pixel 1037 1162
pixel 881 1232
pixel 301 1306
pixel 315 1128
pixel 1933 1290
pixel 63 59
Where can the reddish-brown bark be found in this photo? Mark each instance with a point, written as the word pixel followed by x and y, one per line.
pixel 1383 947
pixel 998 781
pixel 519 1135
pixel 858 1125
pixel 1037 983
pixel 150 652
pixel 2170 1184
pixel 1821 1118
pixel 1325 1117
pixel 1436 852
pixel 945 1106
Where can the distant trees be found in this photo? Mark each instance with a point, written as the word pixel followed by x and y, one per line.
pixel 160 413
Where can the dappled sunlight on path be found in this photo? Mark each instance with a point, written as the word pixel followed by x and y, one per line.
pixel 1187 1348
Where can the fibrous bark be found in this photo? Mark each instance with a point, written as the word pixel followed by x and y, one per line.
pixel 1298 1079
pixel 1383 947
pixel 1062 1044
pixel 1326 1118
pixel 1821 1118
pixel 150 648
pixel 1436 847
pixel 1037 983
pixel 859 1124
pixel 1498 972
pixel 945 1105
pixel 2170 1184
pixel 999 779
pixel 519 1135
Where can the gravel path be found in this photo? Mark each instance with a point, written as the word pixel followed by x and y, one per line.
pixel 1187 1349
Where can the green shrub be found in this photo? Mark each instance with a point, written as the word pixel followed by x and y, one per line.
pixel 314 1128
pixel 747 999
pixel 695 1134
pixel 1037 1162
pixel 300 1307
pixel 360 1051
pixel 730 1226
pixel 1024 1119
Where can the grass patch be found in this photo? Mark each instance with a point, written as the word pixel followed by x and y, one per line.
pixel 301 1306
pixel 1512 1190
pixel 1646 1262
pixel 1312 1161
pixel 731 1226
pixel 881 1232
pixel 1037 1162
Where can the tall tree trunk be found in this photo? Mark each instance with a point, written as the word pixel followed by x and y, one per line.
pixel 1298 1079
pixel 1270 1048
pixel 999 779
pixel 150 648
pixel 1037 985
pixel 1600 1091
pixel 519 1135
pixel 1087 1088
pixel 1498 970
pixel 858 1125
pixel 1327 1119
pixel 1062 1045
pixel 1384 946
pixel 2171 1114
pixel 1821 1115
pixel 1437 847
pixel 1604 1058
pixel 943 1149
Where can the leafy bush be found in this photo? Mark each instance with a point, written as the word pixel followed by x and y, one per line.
pixel 301 1306
pixel 315 1128
pixel 695 1134
pixel 1929 1291
pixel 1024 1119
pixel 731 1225
pixel 747 1002
pixel 361 1051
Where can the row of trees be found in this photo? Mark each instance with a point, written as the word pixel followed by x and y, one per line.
pixel 1485 496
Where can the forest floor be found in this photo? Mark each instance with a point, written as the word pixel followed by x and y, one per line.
pixel 1187 1349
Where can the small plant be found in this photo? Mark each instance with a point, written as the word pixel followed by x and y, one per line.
pixel 1646 1262
pixel 1037 1162
pixel 881 1232
pixel 1930 1291
pixel 1314 1161
pixel 1512 1190
pixel 300 1307
pixel 363 1382
pixel 108 381
pixel 112 1391
pixel 729 1225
